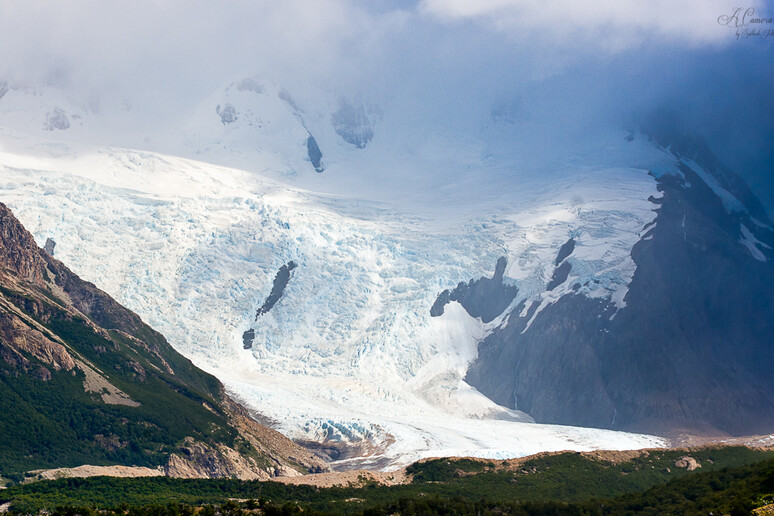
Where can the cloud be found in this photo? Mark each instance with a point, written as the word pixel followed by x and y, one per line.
pixel 184 45
pixel 609 24
pixel 454 62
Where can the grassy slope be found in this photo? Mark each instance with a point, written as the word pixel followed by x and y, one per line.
pixel 53 423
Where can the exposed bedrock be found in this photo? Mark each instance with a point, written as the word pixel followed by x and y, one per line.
pixel 56 119
pixel 351 122
pixel 49 246
pixel 486 298
pixel 560 276
pixel 314 153
pixel 278 288
pixel 247 338
pixel 281 280
pixel 227 114
pixel 691 351
pixel 565 251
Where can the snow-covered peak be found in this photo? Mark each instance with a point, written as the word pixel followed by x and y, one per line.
pixel 384 150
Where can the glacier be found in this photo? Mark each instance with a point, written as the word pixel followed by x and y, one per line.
pixel 190 232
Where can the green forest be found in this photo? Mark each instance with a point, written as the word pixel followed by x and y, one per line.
pixel 731 480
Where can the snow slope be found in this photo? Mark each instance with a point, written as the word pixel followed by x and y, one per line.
pixel 350 353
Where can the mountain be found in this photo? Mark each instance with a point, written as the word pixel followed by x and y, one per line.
pixel 379 308
pixel 84 381
pixel 341 348
pixel 691 348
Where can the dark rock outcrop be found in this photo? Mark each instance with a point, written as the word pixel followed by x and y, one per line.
pixel 664 131
pixel 250 85
pixel 227 114
pixel 247 338
pixel 281 280
pixel 565 251
pixel 691 351
pixel 49 247
pixel 352 124
pixel 559 276
pixel 56 119
pixel 314 153
pixel 552 371
pixel 278 288
pixel 486 298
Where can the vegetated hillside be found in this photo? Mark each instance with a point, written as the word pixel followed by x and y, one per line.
pixel 84 381
pixel 722 480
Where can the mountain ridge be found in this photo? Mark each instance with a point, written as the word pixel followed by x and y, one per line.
pixel 688 352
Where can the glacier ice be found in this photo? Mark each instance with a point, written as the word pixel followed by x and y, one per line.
pixel 349 353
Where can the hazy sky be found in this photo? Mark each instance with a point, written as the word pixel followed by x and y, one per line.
pixel 610 60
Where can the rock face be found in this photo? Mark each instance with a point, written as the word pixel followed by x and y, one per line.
pixel 84 381
pixel 227 113
pixel 315 156
pixel 351 122
pixel 486 297
pixel 49 247
pixel 691 350
pixel 56 119
pixel 565 251
pixel 688 463
pixel 560 275
pixel 28 349
pixel 278 288
pixel 247 338
pixel 250 85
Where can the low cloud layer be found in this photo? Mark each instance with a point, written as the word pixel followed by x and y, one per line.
pixel 456 60
pixel 611 24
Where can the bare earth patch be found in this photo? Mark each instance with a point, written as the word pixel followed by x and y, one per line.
pixel 753 441
pixel 111 395
pixel 348 478
pixel 96 471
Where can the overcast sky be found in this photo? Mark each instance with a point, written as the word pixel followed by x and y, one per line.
pixel 611 60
